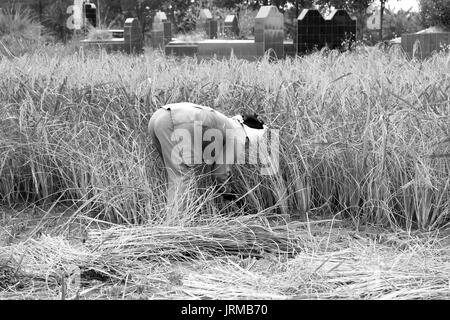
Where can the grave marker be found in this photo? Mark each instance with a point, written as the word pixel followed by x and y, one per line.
pixel 90 11
pixel 231 26
pixel 341 27
pixel 315 32
pixel 312 31
pixel 207 24
pixel 309 24
pixel 161 30
pixel 132 34
pixel 269 31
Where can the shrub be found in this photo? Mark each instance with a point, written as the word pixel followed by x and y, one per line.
pixel 19 31
pixel 19 21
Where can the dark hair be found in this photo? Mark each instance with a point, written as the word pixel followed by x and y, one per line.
pixel 252 121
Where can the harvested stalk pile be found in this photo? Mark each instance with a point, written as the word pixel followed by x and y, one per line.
pixel 161 242
pixel 145 262
pixel 122 254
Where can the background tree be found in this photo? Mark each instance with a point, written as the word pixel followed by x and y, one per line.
pixel 435 13
pixel 400 22
pixel 230 4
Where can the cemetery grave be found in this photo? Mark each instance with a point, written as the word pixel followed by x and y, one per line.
pixel 313 32
pixel 423 45
pixel 231 26
pixel 206 24
pixel 161 33
pixel 268 36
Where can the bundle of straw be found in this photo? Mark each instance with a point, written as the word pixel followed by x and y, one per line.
pixel 177 242
pixel 142 262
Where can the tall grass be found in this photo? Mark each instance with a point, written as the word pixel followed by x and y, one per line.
pixel 364 134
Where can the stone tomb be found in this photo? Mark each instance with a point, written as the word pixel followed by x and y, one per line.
pixel 244 49
pixel 129 40
pixel 423 45
pixel 315 32
pixel 206 24
pixel 161 33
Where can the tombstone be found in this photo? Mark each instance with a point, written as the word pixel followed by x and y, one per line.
pixel 310 27
pixel 231 26
pixel 339 27
pixel 161 30
pixel 315 32
pixel 205 23
pixel 269 31
pixel 132 34
pixel 91 14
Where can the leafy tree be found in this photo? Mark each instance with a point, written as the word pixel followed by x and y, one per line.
pixel 435 13
pixel 110 12
pixel 230 4
pixel 401 22
pixel 349 5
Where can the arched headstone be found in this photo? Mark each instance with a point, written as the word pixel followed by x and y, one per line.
pixel 269 31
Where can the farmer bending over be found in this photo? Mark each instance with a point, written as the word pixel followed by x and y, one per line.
pixel 187 135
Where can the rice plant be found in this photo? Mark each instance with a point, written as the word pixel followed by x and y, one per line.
pixel 364 134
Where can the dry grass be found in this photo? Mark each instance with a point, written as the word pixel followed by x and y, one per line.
pixel 191 37
pixel 324 260
pixel 99 34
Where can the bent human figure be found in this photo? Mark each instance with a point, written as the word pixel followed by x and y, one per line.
pixel 187 135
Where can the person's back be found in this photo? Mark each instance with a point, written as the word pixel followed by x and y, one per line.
pixel 187 135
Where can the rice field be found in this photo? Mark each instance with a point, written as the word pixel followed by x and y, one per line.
pixel 359 209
